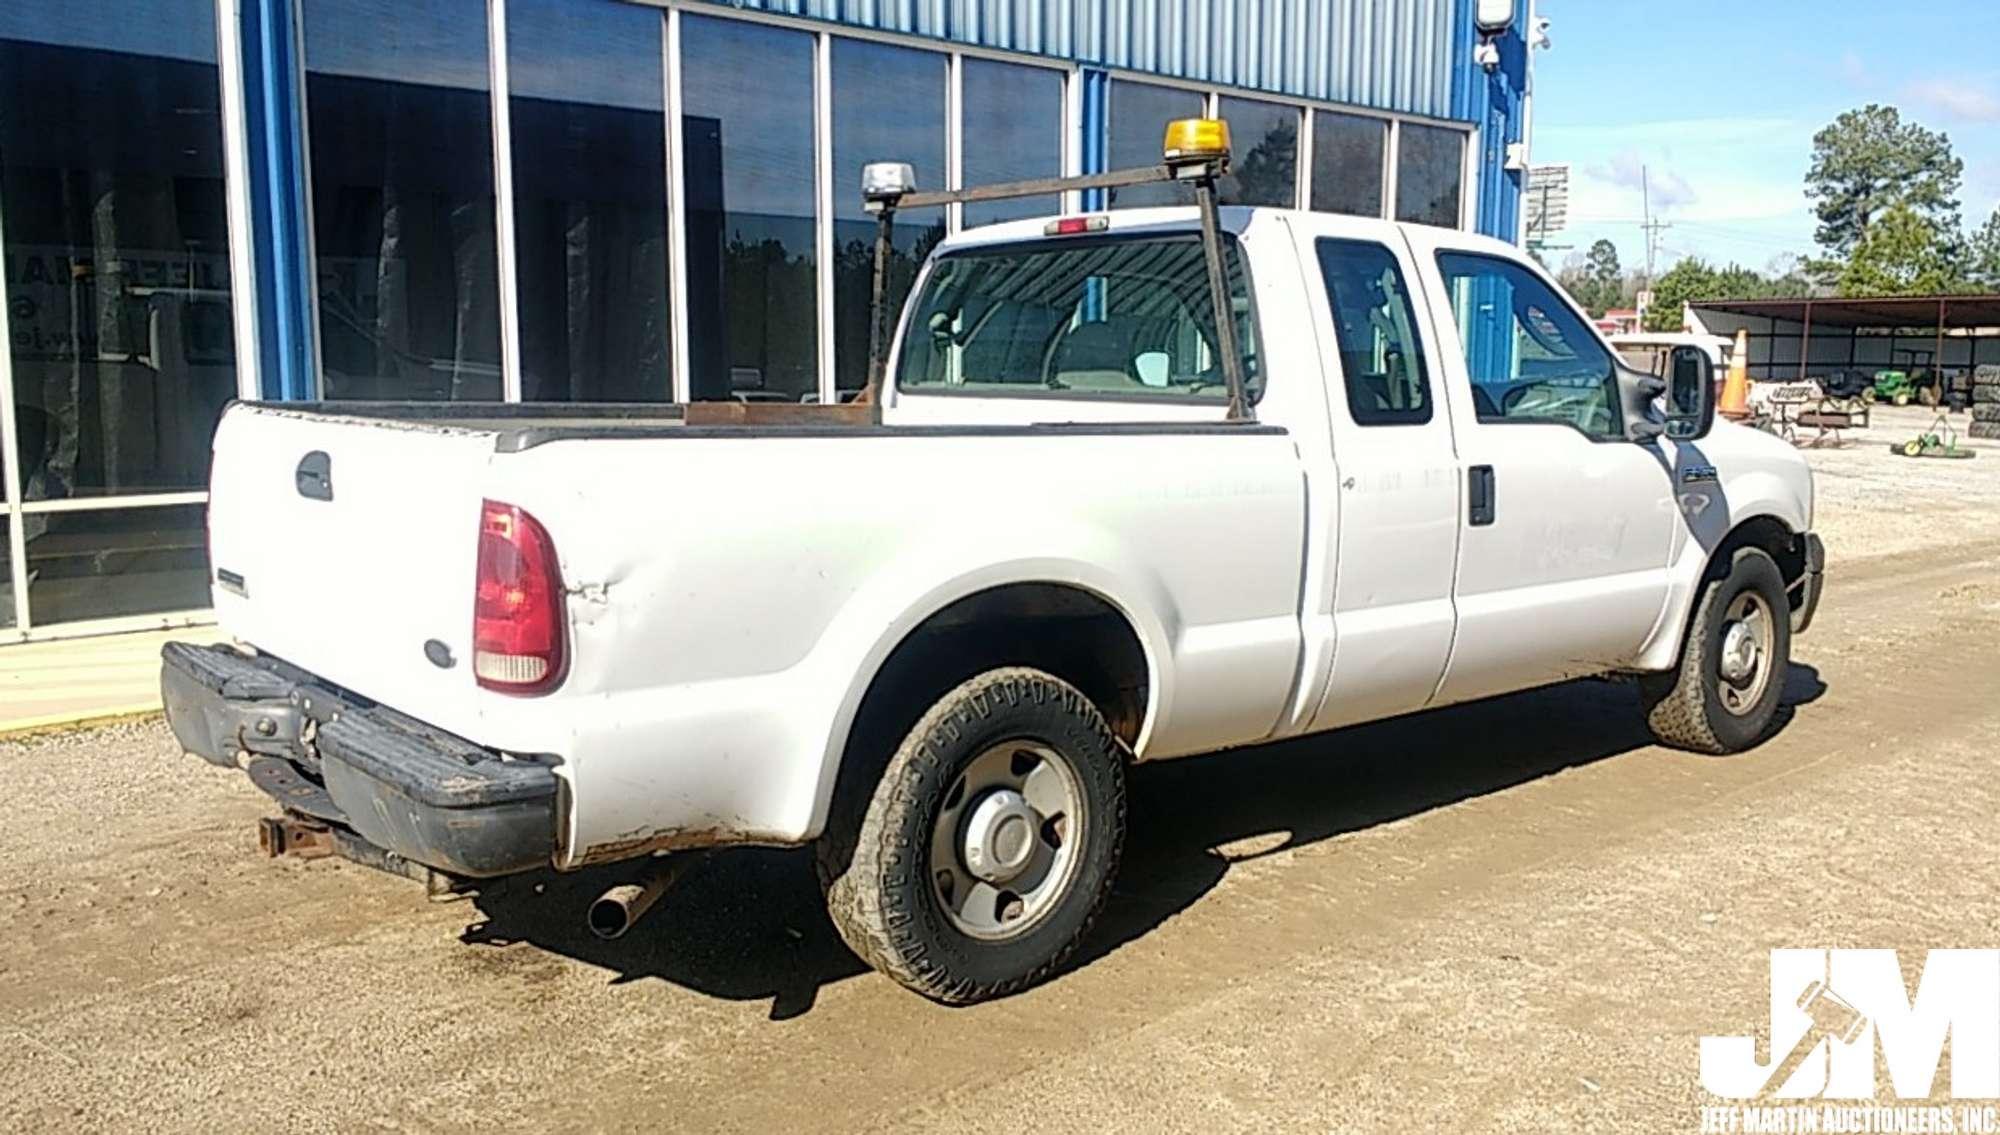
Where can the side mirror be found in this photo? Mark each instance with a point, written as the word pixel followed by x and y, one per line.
pixel 1690 410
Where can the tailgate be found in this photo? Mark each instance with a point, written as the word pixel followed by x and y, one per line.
pixel 347 546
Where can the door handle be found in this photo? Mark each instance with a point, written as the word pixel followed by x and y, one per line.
pixel 1479 495
pixel 314 476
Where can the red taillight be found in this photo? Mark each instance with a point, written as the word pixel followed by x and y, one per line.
pixel 517 612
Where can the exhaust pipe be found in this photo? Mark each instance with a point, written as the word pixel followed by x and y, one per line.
pixel 617 909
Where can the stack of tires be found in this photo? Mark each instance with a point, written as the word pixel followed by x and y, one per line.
pixel 1986 401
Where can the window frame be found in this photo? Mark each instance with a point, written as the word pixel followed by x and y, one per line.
pixel 1424 367
pixel 1609 383
pixel 1254 395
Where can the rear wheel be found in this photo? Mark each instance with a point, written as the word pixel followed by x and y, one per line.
pixel 1723 696
pixel 989 844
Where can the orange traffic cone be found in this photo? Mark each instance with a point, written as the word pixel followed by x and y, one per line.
pixel 1735 401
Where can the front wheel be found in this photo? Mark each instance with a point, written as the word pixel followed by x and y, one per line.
pixel 990 842
pixel 1723 696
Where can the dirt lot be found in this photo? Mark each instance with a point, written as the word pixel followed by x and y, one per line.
pixel 1515 915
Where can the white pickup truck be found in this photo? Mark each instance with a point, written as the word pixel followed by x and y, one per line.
pixel 930 638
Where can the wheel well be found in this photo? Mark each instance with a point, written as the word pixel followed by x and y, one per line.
pixel 1067 631
pixel 1770 534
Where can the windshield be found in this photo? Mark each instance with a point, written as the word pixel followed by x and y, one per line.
pixel 1111 316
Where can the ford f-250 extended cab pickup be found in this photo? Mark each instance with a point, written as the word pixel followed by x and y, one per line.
pixel 929 635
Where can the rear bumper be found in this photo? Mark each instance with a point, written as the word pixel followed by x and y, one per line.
pixel 1812 583
pixel 425 795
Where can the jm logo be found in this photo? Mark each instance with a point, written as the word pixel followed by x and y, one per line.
pixel 1828 1009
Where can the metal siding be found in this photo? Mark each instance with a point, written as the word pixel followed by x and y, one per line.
pixel 1387 54
pixel 1493 100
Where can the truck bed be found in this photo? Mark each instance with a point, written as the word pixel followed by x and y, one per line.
pixel 520 426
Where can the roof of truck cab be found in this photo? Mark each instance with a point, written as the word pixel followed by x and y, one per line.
pixel 1186 218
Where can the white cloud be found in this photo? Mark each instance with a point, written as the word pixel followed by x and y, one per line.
pixel 1965 99
pixel 1628 170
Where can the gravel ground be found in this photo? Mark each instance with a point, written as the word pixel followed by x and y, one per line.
pixel 1872 503
pixel 1509 916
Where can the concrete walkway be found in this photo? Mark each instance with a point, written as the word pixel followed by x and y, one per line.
pixel 47 684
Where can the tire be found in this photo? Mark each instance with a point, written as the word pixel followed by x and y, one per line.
pixel 1868 395
pixel 1986 412
pixel 1986 394
pixel 1986 374
pixel 1987 430
pixel 888 894
pixel 1690 706
pixel 1901 398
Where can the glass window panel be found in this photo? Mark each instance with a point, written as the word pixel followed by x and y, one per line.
pixel 747 141
pixel 6 573
pixel 1013 132
pixel 402 188
pixel 1429 167
pixel 1381 355
pixel 587 107
pixel 1113 316
pixel 1529 355
pixel 105 563
pixel 1136 128
pixel 1264 165
pixel 117 244
pixel 1347 167
pixel 888 105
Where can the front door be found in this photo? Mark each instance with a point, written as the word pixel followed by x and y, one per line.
pixel 1568 527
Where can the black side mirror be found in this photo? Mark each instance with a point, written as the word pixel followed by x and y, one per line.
pixel 1690 410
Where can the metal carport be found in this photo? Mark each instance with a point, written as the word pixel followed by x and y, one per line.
pixel 1799 338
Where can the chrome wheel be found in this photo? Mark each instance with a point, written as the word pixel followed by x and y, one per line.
pixel 1744 662
pixel 1004 847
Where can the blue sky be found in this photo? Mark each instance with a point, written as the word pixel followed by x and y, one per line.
pixel 1718 102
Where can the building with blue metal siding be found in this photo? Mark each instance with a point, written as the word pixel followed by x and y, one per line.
pixel 629 200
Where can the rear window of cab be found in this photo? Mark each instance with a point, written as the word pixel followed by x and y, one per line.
pixel 1103 317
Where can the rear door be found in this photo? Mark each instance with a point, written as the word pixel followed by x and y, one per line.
pixel 346 545
pixel 1395 471
pixel 1568 527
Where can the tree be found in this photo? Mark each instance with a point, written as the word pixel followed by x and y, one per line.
pixel 1690 280
pixel 1982 261
pixel 1606 278
pixel 1902 253
pixel 1869 161
pixel 1603 262
pixel 1694 280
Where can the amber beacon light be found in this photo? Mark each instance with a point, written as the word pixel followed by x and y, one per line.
pixel 1193 140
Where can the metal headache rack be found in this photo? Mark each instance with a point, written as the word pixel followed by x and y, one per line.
pixel 1196 150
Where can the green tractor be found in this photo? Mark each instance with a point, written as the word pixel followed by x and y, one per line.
pixel 1892 386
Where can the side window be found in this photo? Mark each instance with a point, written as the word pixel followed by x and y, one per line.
pixel 1381 357
pixel 1530 358
pixel 1645 359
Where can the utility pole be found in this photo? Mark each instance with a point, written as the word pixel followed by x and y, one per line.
pixel 1652 230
